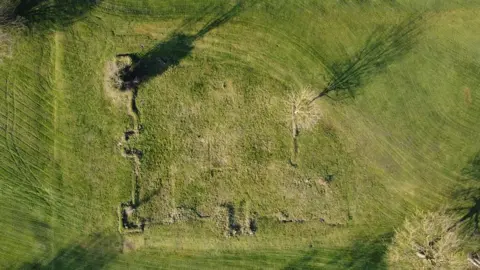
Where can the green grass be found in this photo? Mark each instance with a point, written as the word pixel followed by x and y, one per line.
pixel 217 130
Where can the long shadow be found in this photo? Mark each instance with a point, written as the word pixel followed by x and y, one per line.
pixel 368 254
pixel 383 47
pixel 304 262
pixel 469 195
pixel 473 214
pixel 95 252
pixel 473 169
pixel 171 52
pixel 157 61
pixel 363 254
pixel 46 14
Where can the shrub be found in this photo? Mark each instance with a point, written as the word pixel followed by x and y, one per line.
pixel 428 241
pixel 115 70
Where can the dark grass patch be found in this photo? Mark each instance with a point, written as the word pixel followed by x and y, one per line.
pixel 46 14
pixel 467 199
pixel 94 252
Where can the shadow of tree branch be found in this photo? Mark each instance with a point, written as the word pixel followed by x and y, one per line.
pixel 171 52
pixel 468 198
pixel 363 254
pixel 94 252
pixel 382 47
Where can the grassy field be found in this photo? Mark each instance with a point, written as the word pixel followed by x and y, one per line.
pixel 214 126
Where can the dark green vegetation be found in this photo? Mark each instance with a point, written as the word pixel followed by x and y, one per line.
pixel 209 84
pixel 51 13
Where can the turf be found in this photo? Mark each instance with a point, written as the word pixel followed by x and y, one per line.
pixel 217 132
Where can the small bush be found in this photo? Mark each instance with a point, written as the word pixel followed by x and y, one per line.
pixel 428 241
pixel 115 70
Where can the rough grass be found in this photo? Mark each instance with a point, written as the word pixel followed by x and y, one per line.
pixel 217 130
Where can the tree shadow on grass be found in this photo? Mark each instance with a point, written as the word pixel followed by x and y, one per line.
pixel 171 52
pixel 305 262
pixel 168 54
pixel 363 254
pixel 468 197
pixel 95 252
pixel 473 169
pixel 45 14
pixel 472 217
pixel 384 46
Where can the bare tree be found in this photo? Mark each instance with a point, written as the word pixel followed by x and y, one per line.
pixel 428 241
pixel 304 116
